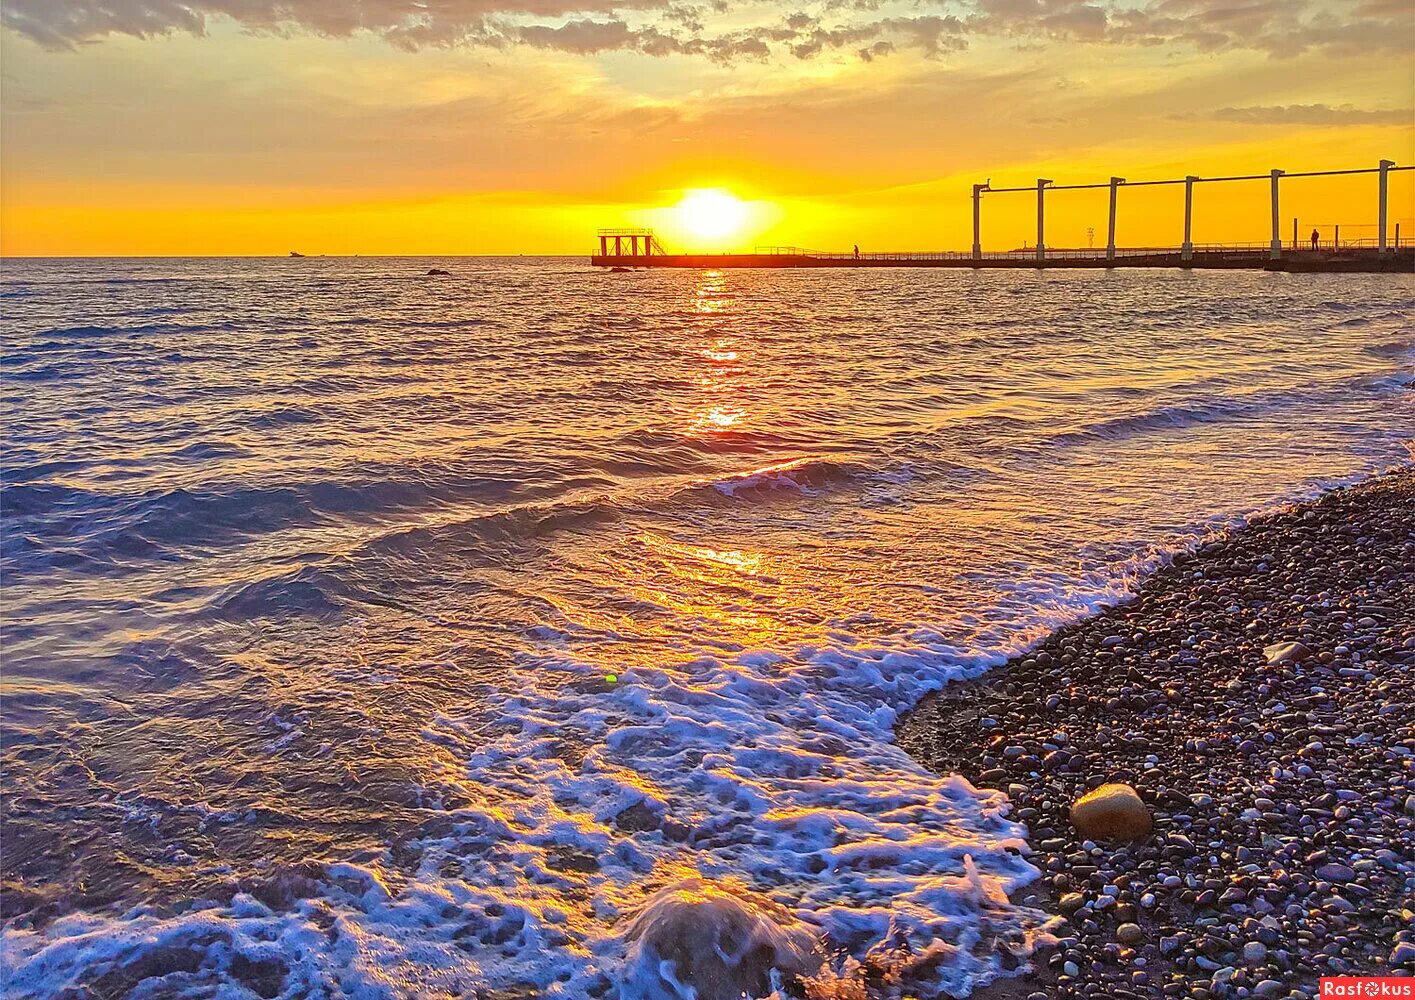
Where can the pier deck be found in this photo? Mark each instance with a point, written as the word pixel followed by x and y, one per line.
pixel 1259 258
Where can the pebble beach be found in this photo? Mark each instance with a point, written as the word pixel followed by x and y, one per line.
pixel 1257 694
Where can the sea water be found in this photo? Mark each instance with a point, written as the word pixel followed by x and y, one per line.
pixel 540 631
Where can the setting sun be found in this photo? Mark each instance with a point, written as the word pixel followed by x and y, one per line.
pixel 711 213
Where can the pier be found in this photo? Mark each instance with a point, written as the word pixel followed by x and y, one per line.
pixel 1384 253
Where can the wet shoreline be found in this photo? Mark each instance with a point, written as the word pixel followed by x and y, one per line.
pixel 1283 793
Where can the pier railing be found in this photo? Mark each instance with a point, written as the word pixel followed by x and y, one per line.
pixel 1275 245
pixel 1053 253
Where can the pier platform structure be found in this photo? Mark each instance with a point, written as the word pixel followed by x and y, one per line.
pixel 1380 254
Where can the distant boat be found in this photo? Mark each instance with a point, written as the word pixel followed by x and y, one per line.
pixel 296 253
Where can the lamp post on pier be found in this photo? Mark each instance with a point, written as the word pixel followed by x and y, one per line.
pixel 978 190
pixel 1383 204
pixel 1115 182
pixel 1186 252
pixel 1277 219
pixel 1042 183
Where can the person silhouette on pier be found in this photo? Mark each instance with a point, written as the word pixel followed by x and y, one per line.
pixel 1316 236
pixel 857 251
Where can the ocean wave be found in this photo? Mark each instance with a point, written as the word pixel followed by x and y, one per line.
pixel 804 475
pixel 1392 348
pixel 1219 409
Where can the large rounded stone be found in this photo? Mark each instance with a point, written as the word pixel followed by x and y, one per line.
pixel 1111 812
pixel 1281 652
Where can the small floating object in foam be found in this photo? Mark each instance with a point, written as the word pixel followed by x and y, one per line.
pixel 612 678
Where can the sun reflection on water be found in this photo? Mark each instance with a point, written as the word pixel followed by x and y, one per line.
pixel 724 354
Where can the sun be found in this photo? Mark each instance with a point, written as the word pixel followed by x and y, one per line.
pixel 710 213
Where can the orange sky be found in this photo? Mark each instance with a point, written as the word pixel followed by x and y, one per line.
pixel 484 126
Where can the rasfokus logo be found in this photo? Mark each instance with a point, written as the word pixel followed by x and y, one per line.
pixel 1368 986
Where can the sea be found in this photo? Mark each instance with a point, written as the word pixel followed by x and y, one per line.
pixel 538 631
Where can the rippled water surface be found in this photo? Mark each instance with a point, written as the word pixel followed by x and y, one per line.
pixel 368 633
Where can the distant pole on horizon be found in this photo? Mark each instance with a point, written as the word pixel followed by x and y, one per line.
pixel 1115 182
pixel 1186 252
pixel 1277 219
pixel 1042 183
pixel 1383 205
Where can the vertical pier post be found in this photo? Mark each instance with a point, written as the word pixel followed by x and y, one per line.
pixel 978 190
pixel 1277 220
pixel 1383 205
pixel 618 246
pixel 1186 252
pixel 603 245
pixel 1042 183
pixel 1294 233
pixel 1115 182
pixel 1336 238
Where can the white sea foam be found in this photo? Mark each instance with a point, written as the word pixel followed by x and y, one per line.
pixel 776 769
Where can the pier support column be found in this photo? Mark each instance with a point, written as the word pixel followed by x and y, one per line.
pixel 1277 220
pixel 1186 252
pixel 1115 182
pixel 1336 238
pixel 603 245
pixel 618 246
pixel 1383 205
pixel 1042 183
pixel 978 190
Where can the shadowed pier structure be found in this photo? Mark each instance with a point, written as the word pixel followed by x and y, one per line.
pixel 1383 253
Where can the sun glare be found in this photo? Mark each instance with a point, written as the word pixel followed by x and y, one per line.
pixel 711 213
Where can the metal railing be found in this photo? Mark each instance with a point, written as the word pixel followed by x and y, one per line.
pixel 1027 253
pixel 1022 253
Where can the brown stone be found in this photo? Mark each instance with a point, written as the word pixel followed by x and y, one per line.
pixel 1279 652
pixel 1111 812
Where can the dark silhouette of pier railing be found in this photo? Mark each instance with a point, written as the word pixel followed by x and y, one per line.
pixel 1186 248
pixel 1375 252
pixel 1021 253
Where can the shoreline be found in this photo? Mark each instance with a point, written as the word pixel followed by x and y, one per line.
pixel 1282 793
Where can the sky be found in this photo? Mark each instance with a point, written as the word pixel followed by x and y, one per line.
pixel 177 127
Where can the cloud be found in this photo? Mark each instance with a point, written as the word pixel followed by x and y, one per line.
pixel 1279 27
pixel 1314 114
pixel 65 24
pixel 580 37
pixel 727 30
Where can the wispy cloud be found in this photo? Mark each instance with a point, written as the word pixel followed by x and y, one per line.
pixel 1314 114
